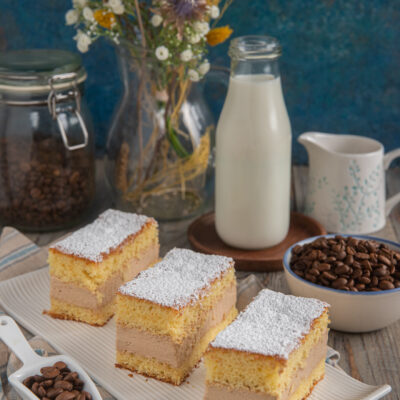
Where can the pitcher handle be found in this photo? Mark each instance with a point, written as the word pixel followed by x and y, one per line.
pixel 395 199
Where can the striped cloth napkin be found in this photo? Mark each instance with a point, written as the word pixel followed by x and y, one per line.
pixel 19 255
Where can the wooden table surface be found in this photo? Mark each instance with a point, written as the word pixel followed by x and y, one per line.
pixel 373 358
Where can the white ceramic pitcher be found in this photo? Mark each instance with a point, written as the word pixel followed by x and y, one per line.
pixel 346 185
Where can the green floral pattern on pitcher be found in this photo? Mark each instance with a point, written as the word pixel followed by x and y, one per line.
pixel 354 203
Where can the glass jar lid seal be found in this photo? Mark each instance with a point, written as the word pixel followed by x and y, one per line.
pixel 30 70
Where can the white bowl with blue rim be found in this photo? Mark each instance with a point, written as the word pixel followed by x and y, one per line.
pixel 350 311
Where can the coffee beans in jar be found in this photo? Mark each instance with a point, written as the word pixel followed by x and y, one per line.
pixel 57 382
pixel 347 263
pixel 42 184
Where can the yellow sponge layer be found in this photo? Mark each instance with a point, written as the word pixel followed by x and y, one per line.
pixel 165 372
pixel 159 320
pixel 97 317
pixel 90 274
pixel 258 373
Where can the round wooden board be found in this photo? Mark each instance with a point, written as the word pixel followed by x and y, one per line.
pixel 204 238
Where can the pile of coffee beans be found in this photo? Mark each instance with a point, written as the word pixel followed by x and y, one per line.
pixel 347 263
pixel 42 184
pixel 57 382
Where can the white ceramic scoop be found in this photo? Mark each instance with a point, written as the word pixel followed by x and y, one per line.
pixel 12 336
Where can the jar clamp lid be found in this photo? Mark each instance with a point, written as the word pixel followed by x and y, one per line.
pixel 55 74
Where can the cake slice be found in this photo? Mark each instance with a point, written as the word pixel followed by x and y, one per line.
pixel 274 350
pixel 167 316
pixel 88 267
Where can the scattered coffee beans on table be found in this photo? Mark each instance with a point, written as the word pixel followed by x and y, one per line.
pixel 57 382
pixel 347 263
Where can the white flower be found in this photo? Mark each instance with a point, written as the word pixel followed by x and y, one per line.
pixel 214 12
pixel 83 41
pixel 88 14
pixel 201 27
pixel 193 39
pixel 119 10
pixel 117 6
pixel 156 20
pixel 71 17
pixel 193 75
pixel 162 53
pixel 204 67
pixel 186 55
pixel 79 3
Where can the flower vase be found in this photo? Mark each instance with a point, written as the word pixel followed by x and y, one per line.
pixel 159 158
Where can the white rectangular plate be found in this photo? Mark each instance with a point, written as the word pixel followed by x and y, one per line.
pixel 26 296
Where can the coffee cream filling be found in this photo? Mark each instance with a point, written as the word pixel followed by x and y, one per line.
pixel 105 294
pixel 316 355
pixel 162 347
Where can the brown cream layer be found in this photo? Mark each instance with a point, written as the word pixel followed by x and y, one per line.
pixel 105 294
pixel 162 347
pixel 219 392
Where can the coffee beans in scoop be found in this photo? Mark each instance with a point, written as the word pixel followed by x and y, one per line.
pixel 57 382
pixel 347 263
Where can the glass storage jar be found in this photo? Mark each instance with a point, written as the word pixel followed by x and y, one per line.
pixel 47 170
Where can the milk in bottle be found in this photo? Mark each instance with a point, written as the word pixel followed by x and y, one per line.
pixel 253 149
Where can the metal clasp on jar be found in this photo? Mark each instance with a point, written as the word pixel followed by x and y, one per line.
pixel 55 98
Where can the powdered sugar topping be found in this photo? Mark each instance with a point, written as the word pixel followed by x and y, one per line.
pixel 272 325
pixel 178 279
pixel 103 235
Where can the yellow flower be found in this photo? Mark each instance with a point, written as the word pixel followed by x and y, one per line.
pixel 218 35
pixel 104 18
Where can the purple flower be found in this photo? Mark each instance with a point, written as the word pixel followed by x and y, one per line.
pixel 180 11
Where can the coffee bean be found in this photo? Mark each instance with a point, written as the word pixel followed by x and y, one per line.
pixel 87 394
pixel 382 271
pixel 384 260
pixel 41 391
pixel 365 280
pixel 60 366
pixel 349 260
pixel 342 269
pixel 362 256
pixel 357 274
pixel 64 385
pixel 324 267
pixel 360 286
pixel 50 372
pixel 339 282
pixel 28 381
pixel 65 396
pixel 348 264
pixel 329 276
pixel 38 378
pixel 386 285
pixel 35 388
pixel 52 393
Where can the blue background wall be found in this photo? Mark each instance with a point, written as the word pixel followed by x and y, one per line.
pixel 340 67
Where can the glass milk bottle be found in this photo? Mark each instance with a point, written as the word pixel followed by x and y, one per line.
pixel 253 149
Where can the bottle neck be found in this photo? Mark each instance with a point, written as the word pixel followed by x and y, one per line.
pixel 255 67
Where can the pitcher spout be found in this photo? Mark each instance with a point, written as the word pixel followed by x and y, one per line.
pixel 313 141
